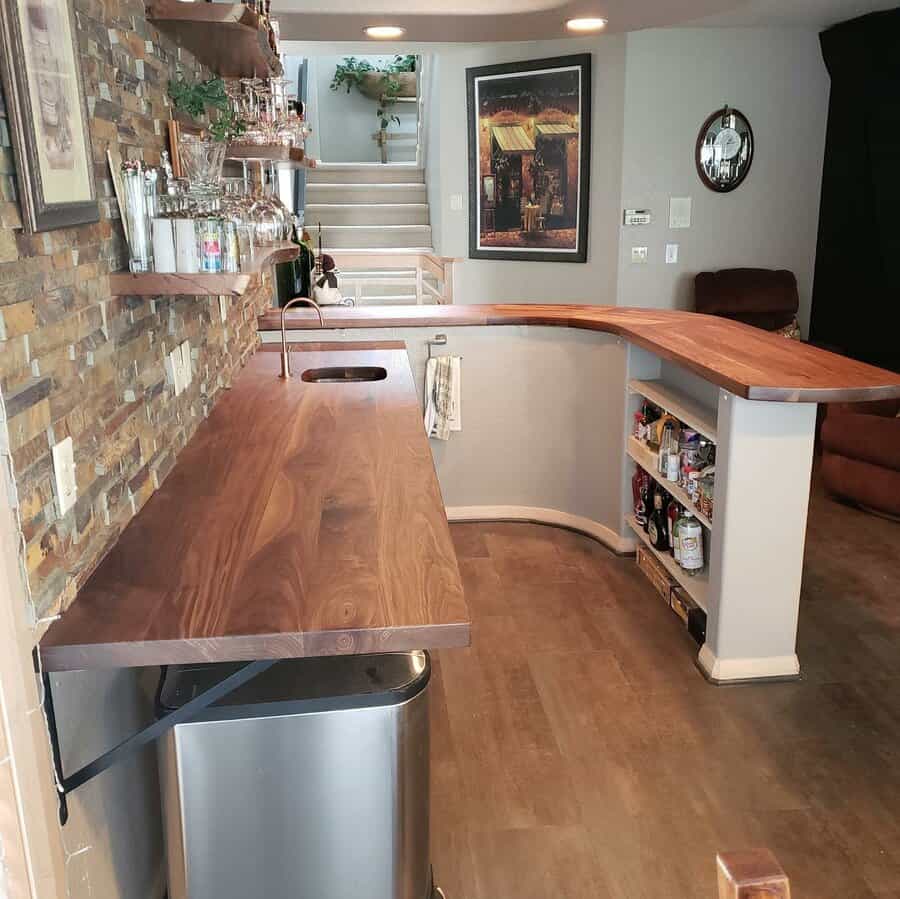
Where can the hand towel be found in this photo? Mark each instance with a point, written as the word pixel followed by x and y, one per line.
pixel 442 396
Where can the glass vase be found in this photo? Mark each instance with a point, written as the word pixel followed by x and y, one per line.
pixel 202 162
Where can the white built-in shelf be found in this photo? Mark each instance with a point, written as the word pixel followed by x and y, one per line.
pixel 647 459
pixel 680 404
pixel 696 586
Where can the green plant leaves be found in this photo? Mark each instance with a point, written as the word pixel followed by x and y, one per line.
pixel 193 97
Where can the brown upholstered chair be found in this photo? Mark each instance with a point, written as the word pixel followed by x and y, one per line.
pixel 861 454
pixel 764 298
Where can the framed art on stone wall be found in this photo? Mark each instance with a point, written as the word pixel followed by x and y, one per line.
pixel 45 102
pixel 529 159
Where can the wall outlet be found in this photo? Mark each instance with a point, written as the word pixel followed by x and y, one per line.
pixel 671 253
pixel 64 474
pixel 638 254
pixel 680 212
pixel 179 371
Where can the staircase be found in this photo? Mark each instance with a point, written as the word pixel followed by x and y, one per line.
pixel 374 210
pixel 365 207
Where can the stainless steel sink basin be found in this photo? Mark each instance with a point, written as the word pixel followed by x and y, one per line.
pixel 344 374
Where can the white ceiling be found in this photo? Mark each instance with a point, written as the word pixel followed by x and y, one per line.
pixel 801 13
pixel 522 20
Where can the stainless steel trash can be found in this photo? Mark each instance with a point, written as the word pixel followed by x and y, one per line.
pixel 309 782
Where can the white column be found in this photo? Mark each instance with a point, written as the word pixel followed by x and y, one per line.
pixel 763 468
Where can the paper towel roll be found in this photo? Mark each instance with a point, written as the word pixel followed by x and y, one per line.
pixel 163 245
pixel 186 259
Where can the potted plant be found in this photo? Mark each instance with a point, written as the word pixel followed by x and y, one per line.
pixel 203 155
pixel 396 79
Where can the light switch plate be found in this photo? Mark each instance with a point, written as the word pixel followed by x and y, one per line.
pixel 456 202
pixel 680 212
pixel 64 474
pixel 638 254
pixel 671 253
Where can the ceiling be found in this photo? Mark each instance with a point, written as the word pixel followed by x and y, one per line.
pixel 800 13
pixel 524 20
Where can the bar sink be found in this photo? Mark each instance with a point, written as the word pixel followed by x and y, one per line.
pixel 344 374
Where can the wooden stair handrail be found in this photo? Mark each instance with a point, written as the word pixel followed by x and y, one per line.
pixel 751 874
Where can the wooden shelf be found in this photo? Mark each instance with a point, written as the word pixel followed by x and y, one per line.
pixel 697 587
pixel 228 37
pixel 286 157
pixel 684 407
pixel 158 284
pixel 646 458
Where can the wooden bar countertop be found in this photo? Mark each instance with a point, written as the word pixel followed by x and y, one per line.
pixel 746 361
pixel 302 519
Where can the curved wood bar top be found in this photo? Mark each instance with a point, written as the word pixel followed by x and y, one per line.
pixel 302 519
pixel 746 361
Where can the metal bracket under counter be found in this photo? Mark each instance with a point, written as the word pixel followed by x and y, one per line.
pixel 133 744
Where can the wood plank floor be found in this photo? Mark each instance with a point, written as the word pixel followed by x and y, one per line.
pixel 578 753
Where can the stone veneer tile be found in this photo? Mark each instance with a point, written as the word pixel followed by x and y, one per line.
pixel 75 361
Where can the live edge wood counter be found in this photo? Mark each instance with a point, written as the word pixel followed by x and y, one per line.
pixel 748 362
pixel 301 520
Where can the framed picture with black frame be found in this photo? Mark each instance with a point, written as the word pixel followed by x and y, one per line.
pixel 45 101
pixel 530 149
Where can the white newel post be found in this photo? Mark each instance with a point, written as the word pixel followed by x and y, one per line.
pixel 763 468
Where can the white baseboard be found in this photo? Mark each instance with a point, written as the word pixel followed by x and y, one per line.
pixel 723 671
pixel 587 526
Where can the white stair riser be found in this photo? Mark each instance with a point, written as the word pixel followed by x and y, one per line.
pixel 365 193
pixel 367 214
pixel 387 236
pixel 365 174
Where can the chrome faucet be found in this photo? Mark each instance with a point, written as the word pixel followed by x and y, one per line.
pixel 285 353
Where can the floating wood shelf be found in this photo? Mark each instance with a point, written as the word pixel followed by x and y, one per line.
pixel 678 403
pixel 158 284
pixel 696 586
pixel 286 157
pixel 646 458
pixel 228 37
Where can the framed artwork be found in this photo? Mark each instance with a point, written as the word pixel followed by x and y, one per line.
pixel 45 102
pixel 530 159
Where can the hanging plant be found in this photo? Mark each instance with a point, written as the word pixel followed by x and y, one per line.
pixel 194 97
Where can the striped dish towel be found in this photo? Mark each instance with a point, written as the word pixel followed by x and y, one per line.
pixel 442 393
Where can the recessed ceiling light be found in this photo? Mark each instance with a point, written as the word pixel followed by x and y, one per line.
pixel 587 24
pixel 384 32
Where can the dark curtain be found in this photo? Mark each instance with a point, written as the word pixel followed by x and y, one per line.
pixel 856 292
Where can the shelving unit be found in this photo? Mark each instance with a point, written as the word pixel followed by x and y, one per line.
pixel 156 284
pixel 696 586
pixel 680 404
pixel 228 37
pixel 646 458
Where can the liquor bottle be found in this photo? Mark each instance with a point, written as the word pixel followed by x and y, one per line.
pixel 668 444
pixel 658 528
pixel 639 494
pixel 673 516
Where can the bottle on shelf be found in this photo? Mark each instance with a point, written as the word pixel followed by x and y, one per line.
pixel 658 525
pixel 673 514
pixel 690 543
pixel 639 494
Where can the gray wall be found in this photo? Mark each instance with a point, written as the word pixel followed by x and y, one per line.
pixel 674 78
pixel 651 92
pixel 486 281
pixel 114 834
pixel 346 122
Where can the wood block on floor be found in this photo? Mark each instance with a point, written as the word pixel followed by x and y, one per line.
pixel 751 874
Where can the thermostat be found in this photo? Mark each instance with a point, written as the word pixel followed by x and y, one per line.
pixel 637 217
